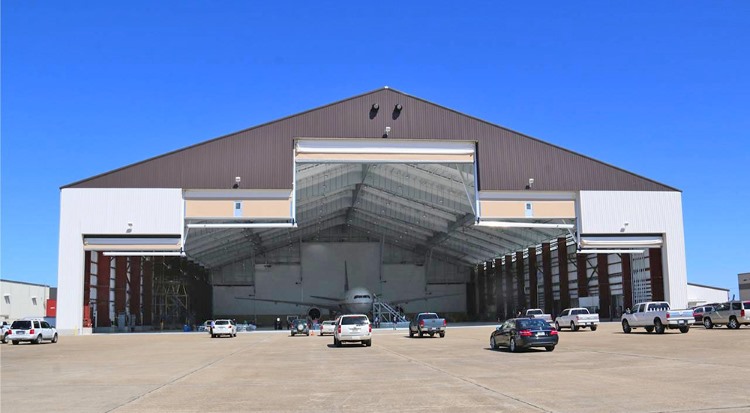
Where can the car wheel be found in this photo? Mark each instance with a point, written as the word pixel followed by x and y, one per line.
pixel 38 339
pixel 684 329
pixel 442 334
pixel 707 323
pixel 338 343
pixel 733 324
pixel 421 334
pixel 432 334
pixel 593 327
pixel 557 326
pixel 369 343
pixel 512 345
pixel 15 342
pixel 649 329
pixel 573 326
pixel 550 348
pixel 213 335
pixel 625 327
pixel 411 333
pixel 658 326
pixel 493 345
pixel 54 338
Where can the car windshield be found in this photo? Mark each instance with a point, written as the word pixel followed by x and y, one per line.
pixel 581 311
pixel 747 305
pixel 532 324
pixel 24 324
pixel 428 316
pixel 222 322
pixel 354 320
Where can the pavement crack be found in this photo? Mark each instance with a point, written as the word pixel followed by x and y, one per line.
pixel 189 373
pixel 463 379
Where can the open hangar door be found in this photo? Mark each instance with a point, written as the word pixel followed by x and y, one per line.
pixel 141 283
pixel 394 217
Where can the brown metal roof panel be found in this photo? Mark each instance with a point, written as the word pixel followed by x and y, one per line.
pixel 263 155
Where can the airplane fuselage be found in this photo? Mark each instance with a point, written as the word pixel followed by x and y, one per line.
pixel 357 300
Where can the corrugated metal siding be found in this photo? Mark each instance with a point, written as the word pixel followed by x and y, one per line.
pixel 263 155
pixel 605 212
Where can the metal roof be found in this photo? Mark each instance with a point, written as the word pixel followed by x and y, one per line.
pixel 263 155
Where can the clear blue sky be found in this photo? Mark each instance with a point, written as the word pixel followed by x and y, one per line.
pixel 658 88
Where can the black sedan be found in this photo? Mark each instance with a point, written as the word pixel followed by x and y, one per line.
pixel 522 333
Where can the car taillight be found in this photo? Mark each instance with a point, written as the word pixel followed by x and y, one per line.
pixel 667 315
pixel 553 332
pixel 525 333
pixel 10 331
pixel 31 331
pixel 370 325
pixel 339 329
pixel 742 313
pixel 445 322
pixel 695 314
pixel 421 323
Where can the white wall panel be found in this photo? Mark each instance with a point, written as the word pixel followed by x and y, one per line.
pixel 645 212
pixel 105 211
pixel 17 301
pixel 698 294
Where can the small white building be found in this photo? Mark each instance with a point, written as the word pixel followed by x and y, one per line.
pixel 22 299
pixel 703 294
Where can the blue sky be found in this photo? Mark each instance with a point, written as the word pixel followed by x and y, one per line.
pixel 658 88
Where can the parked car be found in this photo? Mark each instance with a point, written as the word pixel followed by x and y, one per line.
pixel 327 327
pixel 33 330
pixel 656 316
pixel 733 314
pixel 700 310
pixel 299 326
pixel 576 318
pixel 427 323
pixel 353 328
pixel 538 313
pixel 523 333
pixel 4 330
pixel 206 326
pixel 224 328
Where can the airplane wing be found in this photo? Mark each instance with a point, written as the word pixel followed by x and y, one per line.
pixel 424 297
pixel 331 307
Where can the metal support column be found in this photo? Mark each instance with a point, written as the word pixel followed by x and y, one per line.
pixel 102 291
pixel 508 275
pixel 499 293
pixel 562 263
pixel 549 300
pixel 657 274
pixel 521 289
pixel 533 293
pixel 148 290
pixel 583 279
pixel 605 296
pixel 627 281
pixel 135 289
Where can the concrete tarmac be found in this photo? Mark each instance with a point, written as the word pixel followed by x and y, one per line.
pixel 269 371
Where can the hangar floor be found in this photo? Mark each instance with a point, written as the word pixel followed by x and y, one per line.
pixel 605 370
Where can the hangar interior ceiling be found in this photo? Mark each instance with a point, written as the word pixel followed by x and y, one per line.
pixel 427 209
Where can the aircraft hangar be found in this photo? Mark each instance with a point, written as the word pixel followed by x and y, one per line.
pixel 421 206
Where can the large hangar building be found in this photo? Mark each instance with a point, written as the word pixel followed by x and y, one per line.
pixel 418 205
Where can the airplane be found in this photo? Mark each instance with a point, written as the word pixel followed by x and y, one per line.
pixel 357 300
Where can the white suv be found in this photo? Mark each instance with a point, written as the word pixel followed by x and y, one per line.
pixel 224 327
pixel 33 330
pixel 353 327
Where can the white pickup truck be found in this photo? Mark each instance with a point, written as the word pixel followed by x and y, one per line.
pixel 656 316
pixel 576 318
pixel 538 313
